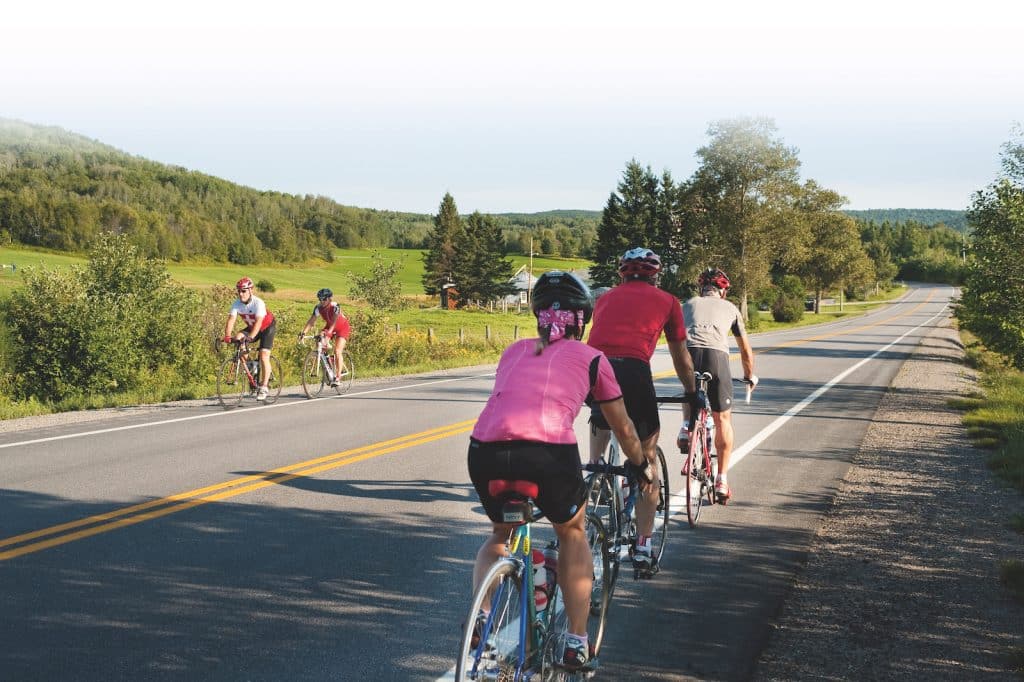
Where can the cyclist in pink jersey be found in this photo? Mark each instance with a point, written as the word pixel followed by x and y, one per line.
pixel 259 326
pixel 628 322
pixel 525 432
pixel 336 326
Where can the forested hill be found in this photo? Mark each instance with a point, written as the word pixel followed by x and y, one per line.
pixel 926 216
pixel 59 189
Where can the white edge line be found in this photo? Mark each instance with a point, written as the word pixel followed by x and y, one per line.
pixel 225 413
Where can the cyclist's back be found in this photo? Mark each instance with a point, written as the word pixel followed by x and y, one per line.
pixel 629 320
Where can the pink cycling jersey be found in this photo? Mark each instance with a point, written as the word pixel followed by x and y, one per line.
pixel 537 397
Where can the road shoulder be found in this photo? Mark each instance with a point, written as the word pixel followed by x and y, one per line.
pixel 902 576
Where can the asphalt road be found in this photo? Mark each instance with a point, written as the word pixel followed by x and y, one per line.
pixel 333 539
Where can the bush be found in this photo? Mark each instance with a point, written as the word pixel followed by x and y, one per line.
pixel 788 309
pixel 107 328
pixel 266 285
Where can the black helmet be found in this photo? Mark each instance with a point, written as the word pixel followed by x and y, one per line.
pixel 562 290
pixel 324 294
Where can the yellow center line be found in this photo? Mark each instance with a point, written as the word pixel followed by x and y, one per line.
pixel 800 342
pixel 102 523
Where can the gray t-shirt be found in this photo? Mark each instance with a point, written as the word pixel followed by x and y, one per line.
pixel 709 320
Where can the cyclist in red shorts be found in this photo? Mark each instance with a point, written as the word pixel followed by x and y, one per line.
pixel 525 432
pixel 335 326
pixel 628 321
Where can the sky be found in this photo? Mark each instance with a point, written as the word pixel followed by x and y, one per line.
pixel 525 106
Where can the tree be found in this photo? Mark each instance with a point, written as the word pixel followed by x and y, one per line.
pixel 439 261
pixel 484 273
pixel 992 304
pixel 745 185
pixel 380 288
pixel 834 255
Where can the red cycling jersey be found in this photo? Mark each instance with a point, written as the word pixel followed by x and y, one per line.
pixel 629 319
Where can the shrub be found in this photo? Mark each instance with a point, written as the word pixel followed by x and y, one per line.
pixel 786 309
pixel 266 285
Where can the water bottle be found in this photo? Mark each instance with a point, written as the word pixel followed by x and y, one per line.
pixel 253 365
pixel 540 591
pixel 551 565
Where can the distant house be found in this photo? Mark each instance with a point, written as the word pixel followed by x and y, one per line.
pixel 523 283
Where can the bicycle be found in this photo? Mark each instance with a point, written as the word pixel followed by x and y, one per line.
pixel 318 371
pixel 612 493
pixel 513 639
pixel 239 376
pixel 699 468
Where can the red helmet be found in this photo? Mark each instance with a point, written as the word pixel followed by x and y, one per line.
pixel 715 278
pixel 639 263
pixel 243 284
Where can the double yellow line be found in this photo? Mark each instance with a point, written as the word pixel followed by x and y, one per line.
pixel 36 541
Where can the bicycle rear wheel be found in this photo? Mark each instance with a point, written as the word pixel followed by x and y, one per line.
pixel 275 382
pixel 497 650
pixel 695 474
pixel 232 383
pixel 312 374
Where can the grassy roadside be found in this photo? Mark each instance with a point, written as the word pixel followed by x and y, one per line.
pixel 995 421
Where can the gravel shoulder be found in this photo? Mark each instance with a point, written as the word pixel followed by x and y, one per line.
pixel 901 580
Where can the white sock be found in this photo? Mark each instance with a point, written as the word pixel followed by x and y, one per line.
pixel 721 478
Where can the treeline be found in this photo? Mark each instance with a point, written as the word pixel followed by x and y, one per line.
pixel 925 216
pixel 746 209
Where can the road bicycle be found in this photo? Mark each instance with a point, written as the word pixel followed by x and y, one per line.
pixel 506 636
pixel 239 376
pixel 700 467
pixel 612 493
pixel 318 371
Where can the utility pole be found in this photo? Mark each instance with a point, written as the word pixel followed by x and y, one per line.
pixel 529 277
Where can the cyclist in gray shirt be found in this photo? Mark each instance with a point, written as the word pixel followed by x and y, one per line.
pixel 709 319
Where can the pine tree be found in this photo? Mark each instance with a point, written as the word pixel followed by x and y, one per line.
pixel 440 259
pixel 489 274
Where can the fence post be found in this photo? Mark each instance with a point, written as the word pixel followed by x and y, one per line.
pixel 462 336
pixel 430 335
pixel 398 327
pixel 515 333
pixel 487 332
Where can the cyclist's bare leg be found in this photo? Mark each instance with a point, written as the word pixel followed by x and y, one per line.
pixel 264 367
pixel 575 571
pixel 599 439
pixel 647 505
pixel 339 346
pixel 492 550
pixel 723 439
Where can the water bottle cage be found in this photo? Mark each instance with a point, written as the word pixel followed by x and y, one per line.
pixel 517 510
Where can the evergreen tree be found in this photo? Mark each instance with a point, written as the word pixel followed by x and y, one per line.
pixel 630 218
pixel 484 273
pixel 439 261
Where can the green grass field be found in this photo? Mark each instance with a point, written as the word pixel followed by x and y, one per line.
pixel 296 282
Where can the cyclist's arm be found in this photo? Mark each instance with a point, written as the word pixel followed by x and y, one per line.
pixel 232 316
pixel 309 325
pixel 683 364
pixel 614 412
pixel 746 356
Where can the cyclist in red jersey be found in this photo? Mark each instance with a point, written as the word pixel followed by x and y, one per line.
pixel 628 321
pixel 260 326
pixel 525 432
pixel 335 326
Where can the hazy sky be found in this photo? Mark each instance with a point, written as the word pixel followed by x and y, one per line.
pixel 524 106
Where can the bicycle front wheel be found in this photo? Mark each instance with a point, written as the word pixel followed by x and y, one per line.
pixel 232 383
pixel 275 382
pixel 346 375
pixel 604 580
pixel 660 537
pixel 695 475
pixel 312 375
pixel 490 639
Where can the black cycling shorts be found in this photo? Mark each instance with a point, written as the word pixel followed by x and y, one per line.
pixel 637 384
pixel 720 393
pixel 266 337
pixel 554 468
